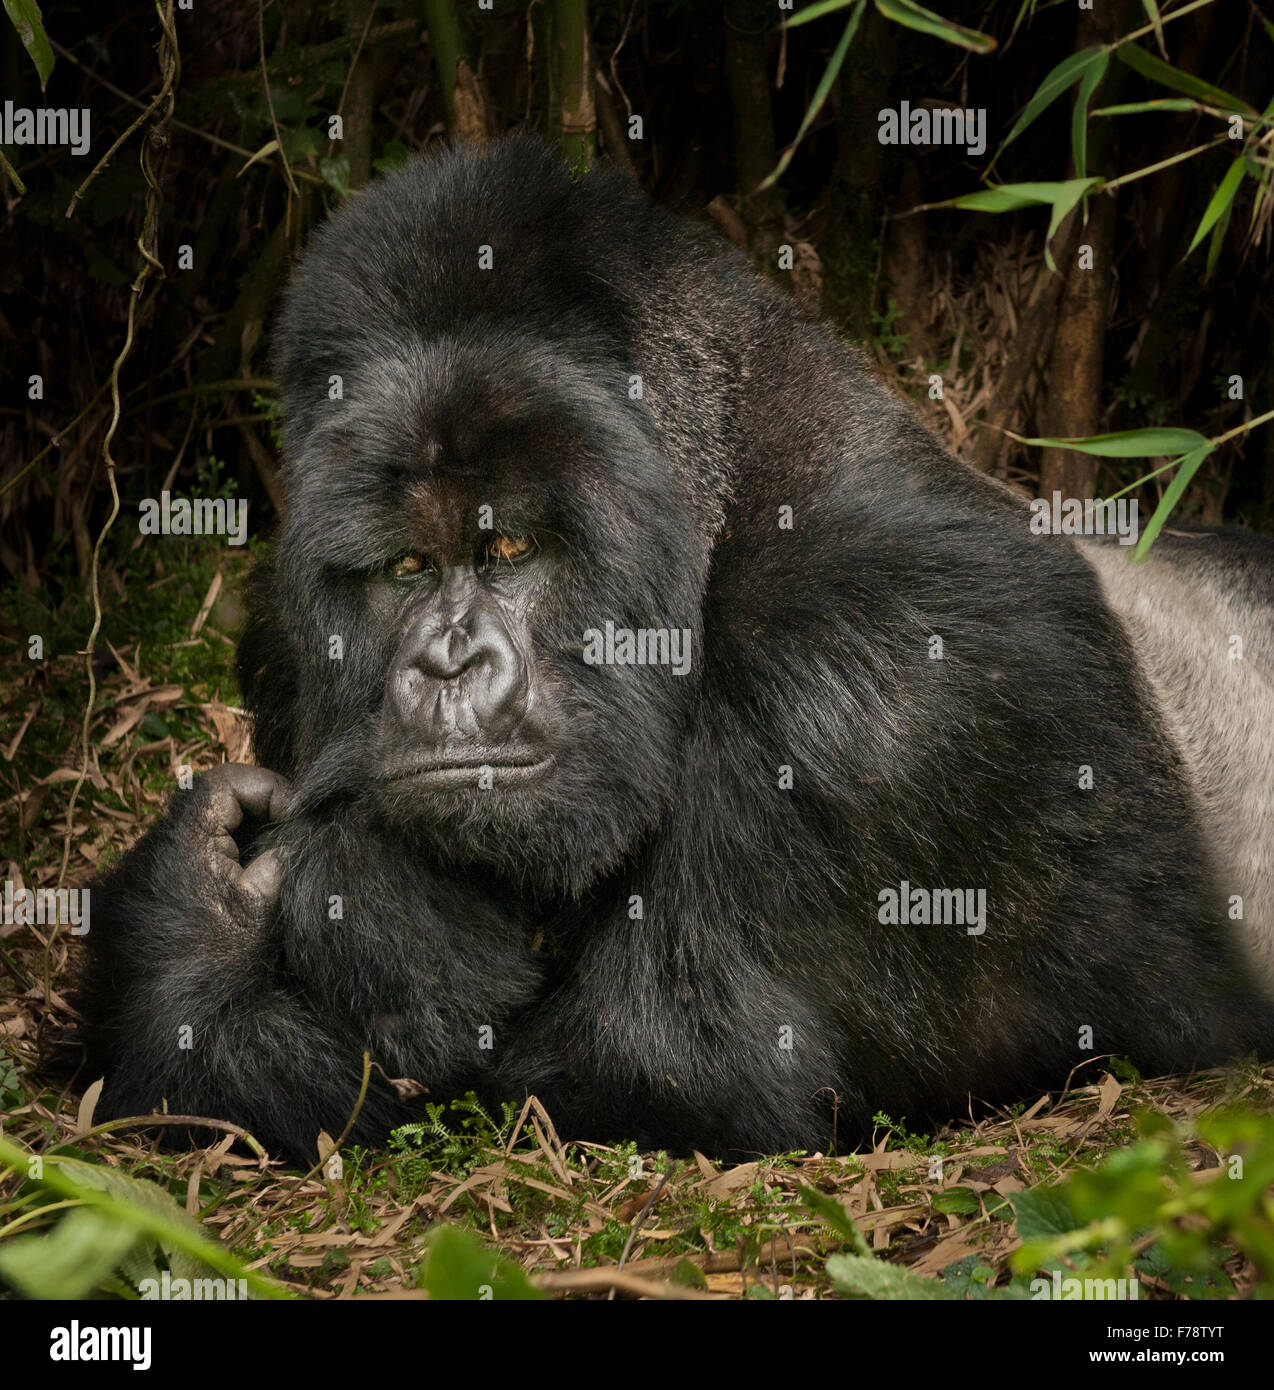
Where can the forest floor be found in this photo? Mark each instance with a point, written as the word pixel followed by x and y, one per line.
pixel 1169 1178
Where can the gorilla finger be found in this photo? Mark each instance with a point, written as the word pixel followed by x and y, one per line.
pixel 235 788
pixel 263 877
pixel 260 791
pixel 222 847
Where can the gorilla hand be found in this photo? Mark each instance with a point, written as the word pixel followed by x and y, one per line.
pixel 236 798
pixel 212 1022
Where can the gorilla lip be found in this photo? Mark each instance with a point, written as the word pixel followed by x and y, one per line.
pixel 503 771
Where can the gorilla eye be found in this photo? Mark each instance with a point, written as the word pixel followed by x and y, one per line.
pixel 510 549
pixel 412 563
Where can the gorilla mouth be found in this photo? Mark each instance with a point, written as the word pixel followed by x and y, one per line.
pixel 504 769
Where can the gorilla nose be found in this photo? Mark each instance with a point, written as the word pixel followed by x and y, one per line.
pixel 446 654
pixel 464 687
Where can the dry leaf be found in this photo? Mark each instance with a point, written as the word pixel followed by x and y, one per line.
pixel 88 1103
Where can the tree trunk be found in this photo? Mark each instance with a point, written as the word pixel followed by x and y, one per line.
pixel 1072 397
pixel 747 23
pixel 575 82
pixel 462 97
pixel 854 193
pixel 1072 400
pixel 360 100
pixel 907 266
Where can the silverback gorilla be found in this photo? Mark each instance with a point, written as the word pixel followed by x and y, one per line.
pixel 652 717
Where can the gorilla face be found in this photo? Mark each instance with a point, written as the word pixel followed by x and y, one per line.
pixel 430 531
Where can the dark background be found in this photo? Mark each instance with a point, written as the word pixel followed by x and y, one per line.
pixel 1146 337
pixel 720 89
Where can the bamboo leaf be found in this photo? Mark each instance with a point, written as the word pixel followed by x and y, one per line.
pixel 1218 240
pixel 1065 74
pixel 914 16
pixel 819 10
pixel 1221 202
pixel 1167 76
pixel 1069 194
pixel 1126 444
pixel 1093 74
pixel 1135 108
pixel 1187 467
pixel 1009 197
pixel 28 23
pixel 820 95
pixel 1153 15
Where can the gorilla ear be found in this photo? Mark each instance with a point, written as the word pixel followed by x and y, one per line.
pixel 268 676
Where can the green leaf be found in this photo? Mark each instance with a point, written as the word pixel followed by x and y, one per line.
pixel 819 97
pixel 831 1211
pixel 957 1201
pixel 1136 108
pixel 914 16
pixel 1008 197
pixel 1093 74
pixel 77 1256
pixel 101 267
pixel 1214 246
pixel 298 142
pixel 144 1195
pixel 28 22
pixel 461 1269
pixel 1221 201
pixel 70 1261
pixel 1065 74
pixel 1167 76
pixel 819 10
pixel 1126 444
pixel 335 171
pixel 1187 467
pixel 1042 1213
pixel 860 1276
pixel 688 1275
pixel 288 104
pixel 154 726
pixel 147 1212
pixel 970 1278
pixel 1153 15
pixel 396 155
pixel 1068 195
pixel 1209 1281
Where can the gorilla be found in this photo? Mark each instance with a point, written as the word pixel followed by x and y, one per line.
pixel 653 718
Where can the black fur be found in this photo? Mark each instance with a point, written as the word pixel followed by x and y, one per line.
pixel 811 650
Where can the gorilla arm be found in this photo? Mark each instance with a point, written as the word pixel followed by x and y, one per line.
pixel 184 1004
